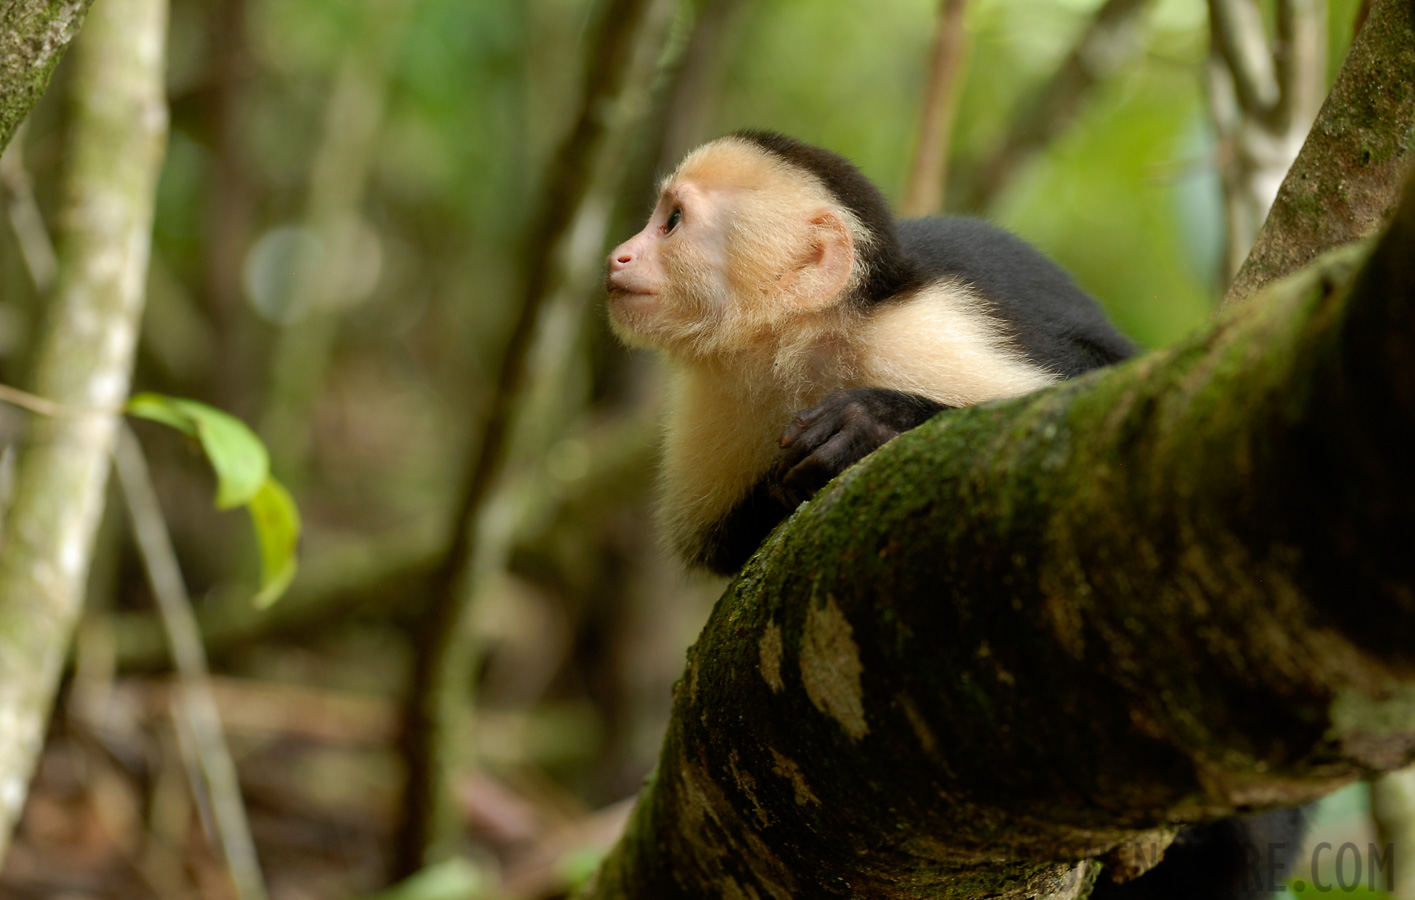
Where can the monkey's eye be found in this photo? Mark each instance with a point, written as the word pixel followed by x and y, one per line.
pixel 674 218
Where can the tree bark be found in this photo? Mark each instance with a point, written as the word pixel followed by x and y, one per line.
pixel 84 366
pixel 1033 632
pixel 1263 96
pixel 33 37
pixel 1346 180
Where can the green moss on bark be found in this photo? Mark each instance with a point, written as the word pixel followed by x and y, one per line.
pixel 33 37
pixel 1345 181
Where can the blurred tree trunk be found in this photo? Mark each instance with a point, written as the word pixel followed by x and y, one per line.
pixel 1262 98
pixel 231 217
pixel 33 37
pixel 1393 813
pixel 84 364
pixel 1031 633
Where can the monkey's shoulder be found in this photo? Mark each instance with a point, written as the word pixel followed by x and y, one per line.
pixel 1055 323
pixel 945 342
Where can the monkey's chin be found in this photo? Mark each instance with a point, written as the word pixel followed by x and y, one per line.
pixel 632 309
pixel 631 315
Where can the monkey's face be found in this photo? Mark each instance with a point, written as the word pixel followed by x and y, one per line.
pixel 737 248
pixel 667 284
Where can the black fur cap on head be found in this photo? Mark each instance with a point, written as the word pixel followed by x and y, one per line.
pixel 887 271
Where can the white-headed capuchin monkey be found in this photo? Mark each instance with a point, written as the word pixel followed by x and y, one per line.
pixel 806 327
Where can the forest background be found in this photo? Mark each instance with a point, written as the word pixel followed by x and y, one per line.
pixel 352 205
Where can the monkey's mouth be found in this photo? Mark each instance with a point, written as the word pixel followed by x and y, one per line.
pixel 630 298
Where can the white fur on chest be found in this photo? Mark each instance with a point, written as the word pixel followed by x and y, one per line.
pixel 721 438
pixel 725 420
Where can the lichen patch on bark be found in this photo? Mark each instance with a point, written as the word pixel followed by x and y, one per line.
pixel 748 786
pixel 771 658
pixel 916 721
pixel 1074 883
pixel 722 836
pixel 831 668
pixel 731 890
pixel 695 808
pixel 692 679
pixel 787 769
pixel 1387 713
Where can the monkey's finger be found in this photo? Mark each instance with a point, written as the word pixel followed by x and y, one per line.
pixel 808 439
pixel 804 480
pixel 806 418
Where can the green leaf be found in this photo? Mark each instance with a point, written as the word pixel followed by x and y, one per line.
pixel 239 459
pixel 277 529
pixel 161 409
pixel 242 467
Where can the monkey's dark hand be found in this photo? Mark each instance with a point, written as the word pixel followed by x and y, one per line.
pixel 839 431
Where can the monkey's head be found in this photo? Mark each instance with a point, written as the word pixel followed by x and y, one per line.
pixel 756 239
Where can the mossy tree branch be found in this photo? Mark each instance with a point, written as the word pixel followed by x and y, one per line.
pixel 1030 632
pixel 83 365
pixel 33 37
pixel 1346 179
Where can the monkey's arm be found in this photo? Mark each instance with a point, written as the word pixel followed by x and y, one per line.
pixel 729 542
pixel 820 443
pixel 842 429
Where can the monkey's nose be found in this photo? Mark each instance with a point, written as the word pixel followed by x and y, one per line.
pixel 619 259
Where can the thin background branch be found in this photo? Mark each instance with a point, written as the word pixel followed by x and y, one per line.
pixel 194 706
pixel 928 175
pixel 624 55
pixel 1236 30
pixel 25 218
pixel 1114 36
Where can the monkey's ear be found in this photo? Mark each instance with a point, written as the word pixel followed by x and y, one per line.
pixel 825 271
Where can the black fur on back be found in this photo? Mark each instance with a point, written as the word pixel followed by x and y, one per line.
pixel 1057 325
pixel 888 271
